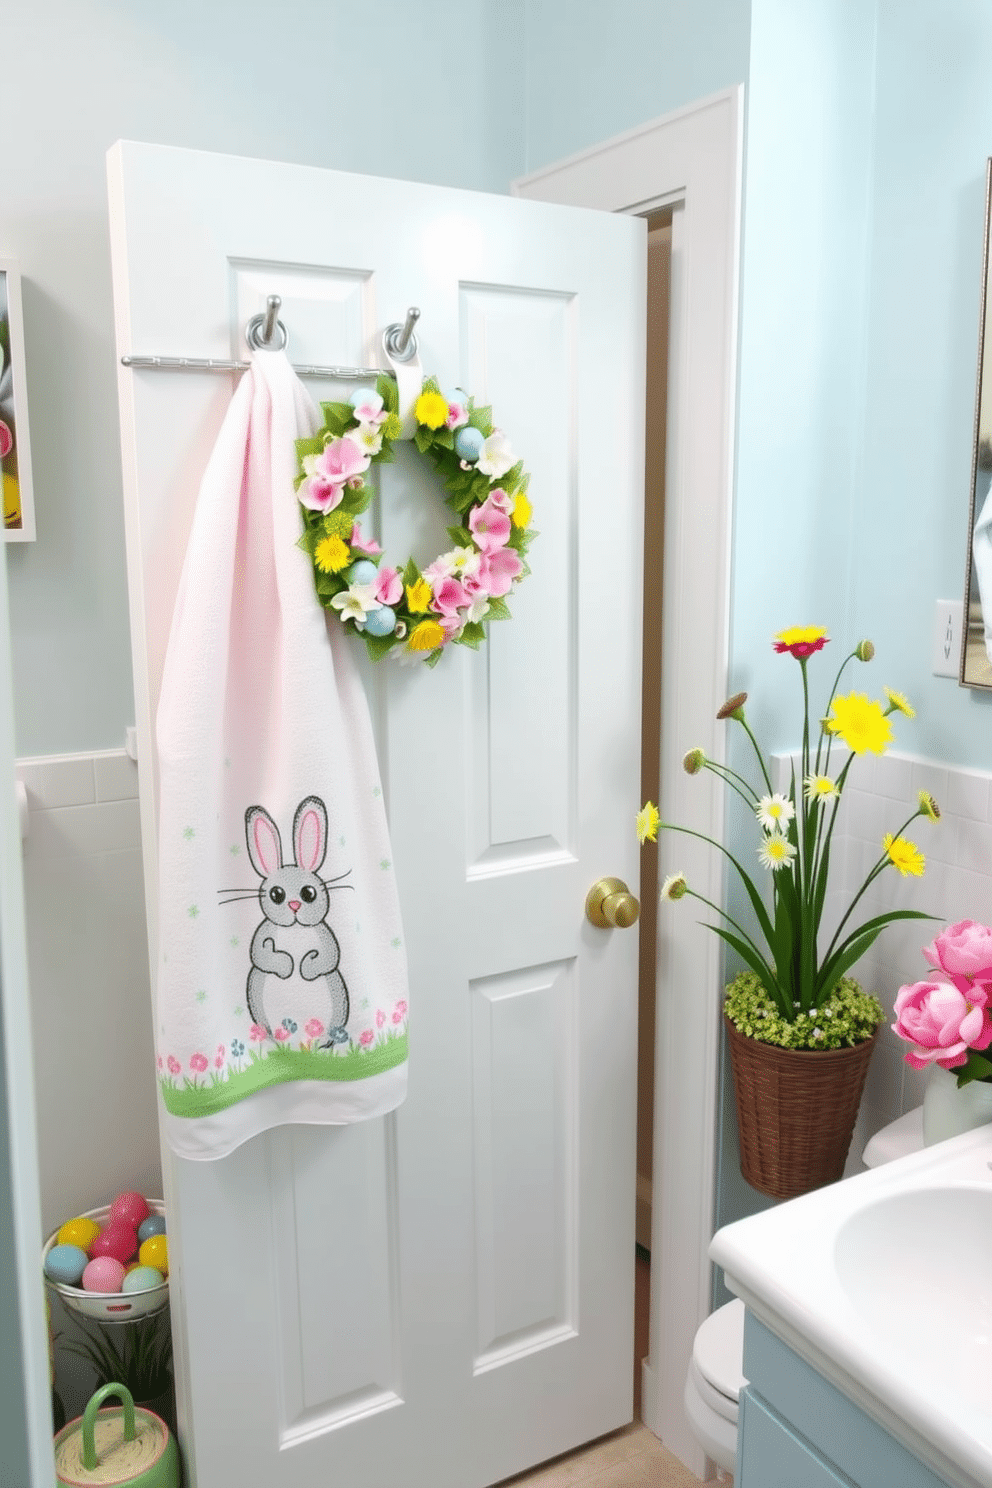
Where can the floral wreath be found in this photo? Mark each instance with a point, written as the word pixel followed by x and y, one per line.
pixel 419 611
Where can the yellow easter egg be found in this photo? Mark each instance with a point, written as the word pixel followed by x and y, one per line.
pixel 80 1231
pixel 155 1252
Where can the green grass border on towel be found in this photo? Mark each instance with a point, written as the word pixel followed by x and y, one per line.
pixel 219 1091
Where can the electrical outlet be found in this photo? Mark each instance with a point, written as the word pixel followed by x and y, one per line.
pixel 947 637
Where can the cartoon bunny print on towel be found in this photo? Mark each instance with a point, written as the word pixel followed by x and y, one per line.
pixel 294 977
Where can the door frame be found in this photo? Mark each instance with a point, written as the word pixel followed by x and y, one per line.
pixel 690 160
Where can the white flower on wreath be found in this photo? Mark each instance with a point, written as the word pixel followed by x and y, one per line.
pixel 356 602
pixel 496 456
pixel 478 609
pixel 367 437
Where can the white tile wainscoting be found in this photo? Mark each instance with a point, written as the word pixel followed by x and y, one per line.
pixel 88 970
pixel 957 885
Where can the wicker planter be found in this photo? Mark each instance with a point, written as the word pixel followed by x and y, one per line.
pixel 796 1110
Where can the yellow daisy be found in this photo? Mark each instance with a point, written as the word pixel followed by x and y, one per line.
pixel 904 855
pixel 929 806
pixel 431 410
pixel 332 554
pixel 647 823
pixel 860 723
pixel 898 703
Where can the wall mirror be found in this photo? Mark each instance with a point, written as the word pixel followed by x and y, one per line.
pixel 976 648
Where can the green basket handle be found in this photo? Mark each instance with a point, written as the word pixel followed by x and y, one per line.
pixel 89 1417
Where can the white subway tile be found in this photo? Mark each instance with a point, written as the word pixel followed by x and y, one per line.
pixel 116 776
pixel 967 794
pixel 57 780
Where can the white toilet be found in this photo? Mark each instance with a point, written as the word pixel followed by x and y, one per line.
pixel 715 1378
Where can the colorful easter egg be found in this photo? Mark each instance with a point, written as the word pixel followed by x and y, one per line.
pixel 65 1264
pixel 155 1252
pixel 469 442
pixel 80 1231
pixel 380 622
pixel 362 572
pixel 142 1279
pixel 153 1225
pixel 131 1207
pixel 103 1274
pixel 117 1239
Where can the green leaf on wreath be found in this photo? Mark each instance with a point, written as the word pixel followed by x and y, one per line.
pixel 337 523
pixel 386 388
pixel 337 417
pixel 473 635
pixel 482 419
pixel 460 536
pixel 422 439
pixel 379 646
pixel 444 438
pixel 306 447
pixel 410 574
pixel 498 609
pixel 355 502
pixel 434 657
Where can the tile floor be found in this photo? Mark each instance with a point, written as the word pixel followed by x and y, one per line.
pixel 627 1458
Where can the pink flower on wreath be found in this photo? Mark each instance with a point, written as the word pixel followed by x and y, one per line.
pixel 489 525
pixel 340 463
pixel 502 499
pixel 941 1023
pixel 363 544
pixel 258 1033
pixel 314 1028
pixel 365 1037
pixel 963 952
pixel 380 1018
pixel 499 570
pixel 449 596
pixel 219 1057
pixel 389 586
pixel 198 1063
pixel 175 1067
pixel 369 410
pixel 282 1034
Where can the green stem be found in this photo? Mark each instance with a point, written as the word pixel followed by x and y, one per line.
pixel 883 862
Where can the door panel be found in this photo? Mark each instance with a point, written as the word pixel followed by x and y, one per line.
pixel 442 1296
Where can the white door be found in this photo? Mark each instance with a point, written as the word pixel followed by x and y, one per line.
pixel 443 1296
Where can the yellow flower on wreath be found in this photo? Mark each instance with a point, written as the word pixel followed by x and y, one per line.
pixel 426 636
pixel 431 410
pixel 861 723
pixel 904 855
pixel 418 597
pixel 522 511
pixel 332 554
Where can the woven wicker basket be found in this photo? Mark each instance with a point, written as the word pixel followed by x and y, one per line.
pixel 796 1110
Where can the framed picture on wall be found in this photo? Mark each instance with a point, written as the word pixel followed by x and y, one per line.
pixel 15 446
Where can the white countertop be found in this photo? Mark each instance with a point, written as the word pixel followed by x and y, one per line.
pixel 883 1283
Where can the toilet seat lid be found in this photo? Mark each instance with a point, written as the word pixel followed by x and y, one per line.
pixel 718 1350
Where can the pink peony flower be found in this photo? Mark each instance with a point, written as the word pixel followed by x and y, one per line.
pixel 198 1062
pixel 490 526
pixel 219 1057
pixel 389 586
pixel 365 1037
pixel 363 544
pixel 314 1028
pixel 941 1023
pixel 282 1034
pixel 963 952
pixel 258 1033
pixel 174 1066
pixel 498 571
pixel 399 1010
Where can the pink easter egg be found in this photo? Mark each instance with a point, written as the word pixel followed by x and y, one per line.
pixel 103 1274
pixel 131 1207
pixel 118 1240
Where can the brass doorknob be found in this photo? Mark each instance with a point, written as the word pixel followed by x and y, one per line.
pixel 611 905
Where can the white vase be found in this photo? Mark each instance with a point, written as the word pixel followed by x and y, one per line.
pixel 948 1111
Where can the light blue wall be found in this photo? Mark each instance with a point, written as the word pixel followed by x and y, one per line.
pixel 389 90
pixel 933 134
pixel 594 71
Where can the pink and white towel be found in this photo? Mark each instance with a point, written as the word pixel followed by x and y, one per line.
pixel 281 991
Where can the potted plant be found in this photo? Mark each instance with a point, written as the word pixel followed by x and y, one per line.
pixel 137 1354
pixel 801 1030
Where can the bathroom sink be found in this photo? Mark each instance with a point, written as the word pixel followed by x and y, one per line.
pixel 883 1283
pixel 914 1264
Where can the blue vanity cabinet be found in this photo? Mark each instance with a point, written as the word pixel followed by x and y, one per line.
pixel 796 1430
